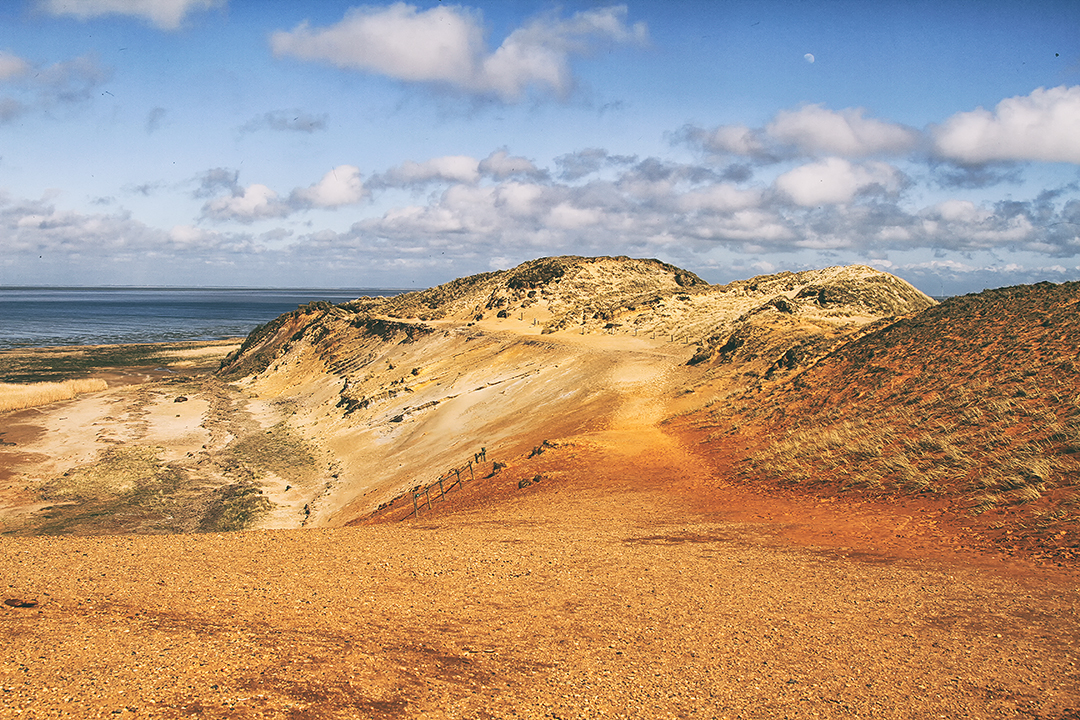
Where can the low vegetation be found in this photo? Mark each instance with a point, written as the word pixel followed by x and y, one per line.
pixel 20 396
pixel 278 450
pixel 31 365
pixel 235 507
pixel 975 401
pixel 127 489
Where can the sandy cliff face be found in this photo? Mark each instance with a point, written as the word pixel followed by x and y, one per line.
pixel 394 391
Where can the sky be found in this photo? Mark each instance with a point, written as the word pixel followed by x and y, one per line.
pixel 331 144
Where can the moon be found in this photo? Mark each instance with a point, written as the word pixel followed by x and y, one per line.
pixel 809 57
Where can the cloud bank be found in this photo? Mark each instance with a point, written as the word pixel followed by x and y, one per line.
pixel 812 185
pixel 1040 127
pixel 1044 125
pixel 445 46
pixel 164 14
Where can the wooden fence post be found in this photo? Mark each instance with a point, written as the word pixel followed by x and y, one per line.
pixel 471 476
pixel 441 491
pixel 427 495
pixel 415 507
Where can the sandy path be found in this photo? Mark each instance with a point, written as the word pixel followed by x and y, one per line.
pixel 607 590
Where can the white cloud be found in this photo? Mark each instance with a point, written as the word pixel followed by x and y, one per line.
pixel 445 45
pixel 520 199
pixel 963 211
pixel 567 217
pixel 816 130
pixel 12 66
pixel 246 205
pixel 834 181
pixel 809 130
pixel 539 53
pixel 165 14
pixel 962 224
pixel 501 165
pixel 450 168
pixel 828 206
pixel 340 186
pixel 1044 125
pixel 576 165
pixel 734 140
pixel 721 197
pixel 762 229
pixel 440 44
pixel 44 87
pixel 826 211
pixel 188 235
pixel 417 219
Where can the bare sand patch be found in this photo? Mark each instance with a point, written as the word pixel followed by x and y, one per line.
pixel 607 589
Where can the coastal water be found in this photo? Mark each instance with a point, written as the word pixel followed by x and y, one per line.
pixel 47 316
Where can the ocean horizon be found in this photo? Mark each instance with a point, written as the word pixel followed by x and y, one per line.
pixel 46 316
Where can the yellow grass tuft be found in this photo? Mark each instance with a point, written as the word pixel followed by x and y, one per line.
pixel 20 396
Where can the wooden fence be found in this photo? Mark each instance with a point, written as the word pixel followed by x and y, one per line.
pixel 451 479
pixel 424 496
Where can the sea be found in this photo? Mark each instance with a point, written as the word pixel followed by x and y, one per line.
pixel 51 316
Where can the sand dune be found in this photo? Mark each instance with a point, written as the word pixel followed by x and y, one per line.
pixel 623 568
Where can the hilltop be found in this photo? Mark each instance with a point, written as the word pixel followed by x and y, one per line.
pixel 622 296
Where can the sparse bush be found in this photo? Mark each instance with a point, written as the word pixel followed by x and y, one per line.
pixel 235 507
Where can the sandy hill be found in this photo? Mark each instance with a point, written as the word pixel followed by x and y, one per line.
pixel 843 379
pixel 974 402
pixel 395 390
pixel 330 412
pixel 636 541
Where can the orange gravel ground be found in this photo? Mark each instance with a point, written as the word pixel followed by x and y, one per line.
pixel 623 584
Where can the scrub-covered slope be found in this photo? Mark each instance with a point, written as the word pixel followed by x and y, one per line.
pixel 975 401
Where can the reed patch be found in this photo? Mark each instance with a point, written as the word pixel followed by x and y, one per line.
pixel 19 396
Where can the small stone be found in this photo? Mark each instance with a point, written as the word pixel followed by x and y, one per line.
pixel 16 603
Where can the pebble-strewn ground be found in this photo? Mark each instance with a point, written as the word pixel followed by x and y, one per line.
pixel 597 592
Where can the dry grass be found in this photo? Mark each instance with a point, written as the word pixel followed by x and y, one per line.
pixel 20 396
pixel 973 402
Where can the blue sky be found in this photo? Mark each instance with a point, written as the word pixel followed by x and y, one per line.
pixel 240 143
